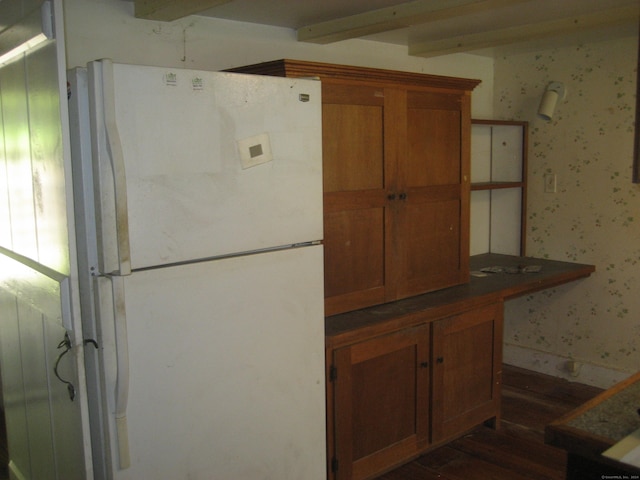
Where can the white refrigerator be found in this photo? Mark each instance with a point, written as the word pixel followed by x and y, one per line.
pixel 199 218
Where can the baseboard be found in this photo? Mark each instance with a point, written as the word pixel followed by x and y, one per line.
pixel 562 367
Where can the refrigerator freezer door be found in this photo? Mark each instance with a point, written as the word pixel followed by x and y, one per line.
pixel 226 366
pixel 215 163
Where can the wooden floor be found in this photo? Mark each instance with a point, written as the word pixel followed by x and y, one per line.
pixel 515 452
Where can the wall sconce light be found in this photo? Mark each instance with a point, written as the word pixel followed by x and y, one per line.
pixel 555 91
pixel 35 29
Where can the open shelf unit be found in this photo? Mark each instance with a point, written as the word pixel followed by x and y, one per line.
pixel 498 186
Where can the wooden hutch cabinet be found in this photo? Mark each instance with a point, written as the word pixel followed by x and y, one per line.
pixel 396 171
pixel 410 363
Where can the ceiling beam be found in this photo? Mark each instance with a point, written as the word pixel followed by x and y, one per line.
pixel 391 18
pixel 169 10
pixel 525 32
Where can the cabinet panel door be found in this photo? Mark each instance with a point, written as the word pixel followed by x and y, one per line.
pixel 354 258
pixel 355 201
pixel 381 402
pixel 467 366
pixel 432 227
pixel 434 135
pixel 429 246
pixel 352 147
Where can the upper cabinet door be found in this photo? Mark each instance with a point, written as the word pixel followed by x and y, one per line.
pixel 355 201
pixel 396 192
pixel 432 227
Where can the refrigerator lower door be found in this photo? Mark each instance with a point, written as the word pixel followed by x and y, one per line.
pixel 226 364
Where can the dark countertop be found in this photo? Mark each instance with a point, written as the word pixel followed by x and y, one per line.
pixel 494 287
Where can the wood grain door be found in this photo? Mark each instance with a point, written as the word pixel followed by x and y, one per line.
pixel 467 366
pixel 432 228
pixel 355 199
pixel 381 402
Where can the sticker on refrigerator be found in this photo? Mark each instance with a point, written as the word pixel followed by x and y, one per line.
pixel 255 150
pixel 197 83
pixel 170 79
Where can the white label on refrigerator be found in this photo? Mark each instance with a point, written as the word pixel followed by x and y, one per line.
pixel 255 150
pixel 170 79
pixel 197 83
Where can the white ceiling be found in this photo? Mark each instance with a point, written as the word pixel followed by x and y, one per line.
pixel 436 27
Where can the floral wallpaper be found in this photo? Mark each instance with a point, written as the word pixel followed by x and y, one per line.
pixel 594 216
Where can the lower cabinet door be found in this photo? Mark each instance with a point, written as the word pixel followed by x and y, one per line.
pixel 381 402
pixel 467 370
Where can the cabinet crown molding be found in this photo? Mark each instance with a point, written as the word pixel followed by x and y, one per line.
pixel 325 71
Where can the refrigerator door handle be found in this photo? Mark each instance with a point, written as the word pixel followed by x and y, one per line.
pixel 122 365
pixel 116 158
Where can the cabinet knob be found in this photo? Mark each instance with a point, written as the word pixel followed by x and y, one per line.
pixel 440 360
pixel 403 196
pixel 391 196
pixel 424 364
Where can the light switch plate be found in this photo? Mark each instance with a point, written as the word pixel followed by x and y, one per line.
pixel 550 183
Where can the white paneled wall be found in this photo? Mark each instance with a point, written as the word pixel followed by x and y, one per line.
pixel 44 425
